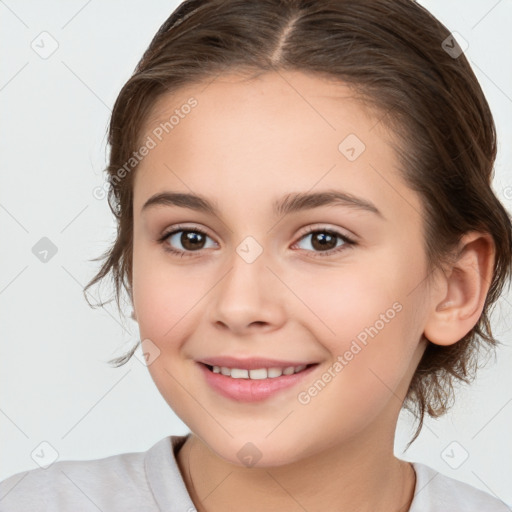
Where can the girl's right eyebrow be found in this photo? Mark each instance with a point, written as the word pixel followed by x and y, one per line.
pixel 293 202
pixel 183 200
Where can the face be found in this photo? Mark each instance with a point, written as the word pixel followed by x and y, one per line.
pixel 336 284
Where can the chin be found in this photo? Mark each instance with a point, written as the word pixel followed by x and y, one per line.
pixel 258 453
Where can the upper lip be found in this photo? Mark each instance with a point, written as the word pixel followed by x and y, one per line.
pixel 251 363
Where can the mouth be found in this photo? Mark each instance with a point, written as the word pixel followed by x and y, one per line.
pixel 255 384
pixel 258 373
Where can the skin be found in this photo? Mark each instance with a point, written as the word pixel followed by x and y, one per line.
pixel 247 143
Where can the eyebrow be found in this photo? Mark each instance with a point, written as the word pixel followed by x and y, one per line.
pixel 289 203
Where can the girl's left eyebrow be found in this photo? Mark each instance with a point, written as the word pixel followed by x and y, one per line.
pixel 293 202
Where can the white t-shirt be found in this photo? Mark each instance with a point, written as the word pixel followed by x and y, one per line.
pixel 151 481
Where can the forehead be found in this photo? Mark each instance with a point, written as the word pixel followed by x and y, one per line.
pixel 276 133
pixel 301 95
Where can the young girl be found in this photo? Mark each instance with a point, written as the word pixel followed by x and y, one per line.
pixel 331 162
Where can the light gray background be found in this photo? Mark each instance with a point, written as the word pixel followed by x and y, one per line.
pixel 56 386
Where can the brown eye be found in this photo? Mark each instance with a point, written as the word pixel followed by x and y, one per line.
pixel 191 240
pixel 183 241
pixel 324 242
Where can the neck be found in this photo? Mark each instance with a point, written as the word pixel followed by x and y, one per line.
pixel 357 475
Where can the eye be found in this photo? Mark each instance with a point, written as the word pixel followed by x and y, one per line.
pixel 191 239
pixel 326 240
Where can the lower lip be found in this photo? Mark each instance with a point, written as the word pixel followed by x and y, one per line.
pixel 249 390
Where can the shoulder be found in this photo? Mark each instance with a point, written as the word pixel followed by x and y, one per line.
pixel 436 492
pixel 80 485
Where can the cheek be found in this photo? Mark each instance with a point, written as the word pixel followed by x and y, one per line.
pixel 163 294
pixel 164 297
pixel 366 319
pixel 341 304
pixel 369 367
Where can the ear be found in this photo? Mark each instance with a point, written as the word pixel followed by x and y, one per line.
pixel 457 303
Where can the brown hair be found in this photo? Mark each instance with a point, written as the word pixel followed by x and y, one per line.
pixel 397 56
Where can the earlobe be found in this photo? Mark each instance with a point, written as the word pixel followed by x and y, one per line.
pixel 457 305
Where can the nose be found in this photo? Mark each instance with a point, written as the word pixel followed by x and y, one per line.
pixel 248 297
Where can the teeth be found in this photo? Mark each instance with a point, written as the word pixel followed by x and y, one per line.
pixel 260 373
pixel 237 373
pixel 257 374
pixel 274 372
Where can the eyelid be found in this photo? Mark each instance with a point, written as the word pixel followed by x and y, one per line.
pixel 303 231
pixel 182 227
pixel 178 227
pixel 318 226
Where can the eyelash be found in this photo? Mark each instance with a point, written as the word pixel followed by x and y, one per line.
pixel 347 241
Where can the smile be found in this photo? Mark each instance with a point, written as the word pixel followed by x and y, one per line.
pixel 258 373
pixel 256 384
